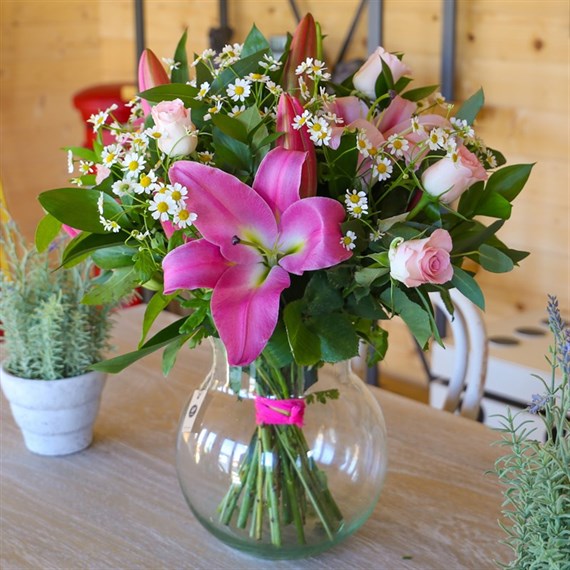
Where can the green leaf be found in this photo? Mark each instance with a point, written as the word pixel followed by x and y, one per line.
pixel 304 344
pixel 46 231
pixel 366 276
pixel 231 127
pixel 86 243
pixel 337 337
pixel 278 352
pixel 77 207
pixel 186 93
pixel 231 155
pixel 510 180
pixel 419 93
pixel 321 296
pixel 471 107
pixel 366 307
pixel 171 352
pixel 470 198
pixel 416 318
pixel 180 74
pixel 493 259
pixel 255 43
pixel 468 236
pixel 157 303
pixel 494 205
pixel 114 257
pixel 121 283
pixel 81 152
pixel 162 338
pixel 378 339
pixel 465 284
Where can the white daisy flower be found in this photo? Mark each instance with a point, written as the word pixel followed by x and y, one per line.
pixel 204 88
pixel 363 144
pixel 303 66
pixel 177 192
pixel 319 131
pixel 301 120
pixel 206 157
pixel 358 211
pixel 171 63
pixel 305 92
pixel 109 225
pixel 133 164
pixel 355 198
pixel 162 206
pixel 463 128
pixel 122 187
pixel 490 159
pixel 274 89
pixel 417 127
pixel 183 218
pixel 147 183
pixel 382 169
pixel 140 235
pixel 85 167
pixel 236 111
pixel 110 155
pixel 257 77
pixel 240 90
pixel 436 139
pixel 270 63
pixel 98 120
pixel 347 241
pixel 398 145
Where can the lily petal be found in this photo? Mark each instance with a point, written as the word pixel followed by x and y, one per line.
pixel 226 207
pixel 311 235
pixel 151 74
pixel 195 264
pixel 399 110
pixel 278 178
pixel 245 308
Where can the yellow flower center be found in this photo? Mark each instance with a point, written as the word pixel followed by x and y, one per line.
pixel 176 196
pixel 183 215
pixel 239 90
pixel 354 198
pixel 317 127
pixel 110 157
pixel 145 181
pixel 162 207
pixel 133 165
pixel 381 168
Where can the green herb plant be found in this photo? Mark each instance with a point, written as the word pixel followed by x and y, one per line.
pixel 536 474
pixel 49 333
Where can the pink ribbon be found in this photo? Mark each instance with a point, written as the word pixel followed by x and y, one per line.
pixel 278 412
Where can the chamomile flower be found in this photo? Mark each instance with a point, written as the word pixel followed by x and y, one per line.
pixel 70 165
pixel 98 120
pixel 304 66
pixel 417 127
pixel 463 128
pixel 77 181
pixel 204 88
pixel 205 55
pixel 171 63
pixel 257 77
pixel 206 157
pixel 109 225
pixel 110 155
pixel 270 63
pixel 100 202
pixel 436 138
pixel 348 239
pixel 398 145
pixel 85 167
pixel 139 142
pixel 240 90
pixel 183 218
pixel 302 119
pixel 138 235
pixel 326 97
pixel 133 164
pixel 382 169
pixel 363 144
pixel 355 198
pixel 319 131
pixel 229 55
pixel 122 187
pixel 273 88
pixel 162 206
pixel 439 99
pixel 147 183
pixel 153 133
pixel 213 110
pixel 490 159
pixel 316 70
pixel 236 111
pixel 305 91
pixel 177 192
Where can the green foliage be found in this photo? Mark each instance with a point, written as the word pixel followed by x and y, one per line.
pixel 537 474
pixel 49 333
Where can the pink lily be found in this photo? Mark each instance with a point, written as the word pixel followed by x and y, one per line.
pixel 303 45
pixel 253 237
pixel 289 107
pixel 151 74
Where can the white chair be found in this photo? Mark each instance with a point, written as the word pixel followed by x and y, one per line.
pixel 470 350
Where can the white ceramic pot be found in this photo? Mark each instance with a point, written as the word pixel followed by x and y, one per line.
pixel 56 416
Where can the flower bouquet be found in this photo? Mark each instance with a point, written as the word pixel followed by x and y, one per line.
pixel 291 216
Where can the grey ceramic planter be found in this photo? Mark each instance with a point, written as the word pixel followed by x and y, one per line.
pixel 56 416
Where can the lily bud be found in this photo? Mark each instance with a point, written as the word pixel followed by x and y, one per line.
pixel 297 139
pixel 303 45
pixel 151 74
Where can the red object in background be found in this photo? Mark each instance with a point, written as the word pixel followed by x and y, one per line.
pixel 91 100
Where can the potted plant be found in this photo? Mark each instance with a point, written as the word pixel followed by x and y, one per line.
pixel 50 340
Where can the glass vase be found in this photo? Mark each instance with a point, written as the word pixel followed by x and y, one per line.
pixel 281 490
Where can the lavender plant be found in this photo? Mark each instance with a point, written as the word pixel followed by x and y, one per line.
pixel 536 474
pixel 48 332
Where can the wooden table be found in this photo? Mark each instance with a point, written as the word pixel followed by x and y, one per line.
pixel 118 504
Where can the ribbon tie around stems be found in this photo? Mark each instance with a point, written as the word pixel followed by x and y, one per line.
pixel 278 412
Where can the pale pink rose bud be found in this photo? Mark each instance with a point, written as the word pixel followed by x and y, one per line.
pixel 447 179
pixel 173 122
pixel 419 261
pixel 365 78
pixel 101 172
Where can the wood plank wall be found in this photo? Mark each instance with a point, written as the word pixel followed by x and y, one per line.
pixel 516 49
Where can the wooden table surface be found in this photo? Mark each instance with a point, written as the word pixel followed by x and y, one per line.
pixel 118 505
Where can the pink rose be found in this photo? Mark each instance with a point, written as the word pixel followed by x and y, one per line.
pixel 101 172
pixel 365 78
pixel 174 123
pixel 447 179
pixel 418 261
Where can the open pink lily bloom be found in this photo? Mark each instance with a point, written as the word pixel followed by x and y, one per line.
pixel 252 239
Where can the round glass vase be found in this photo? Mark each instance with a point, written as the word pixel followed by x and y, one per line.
pixel 281 491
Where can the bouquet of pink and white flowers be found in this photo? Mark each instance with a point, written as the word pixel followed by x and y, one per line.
pixel 292 215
